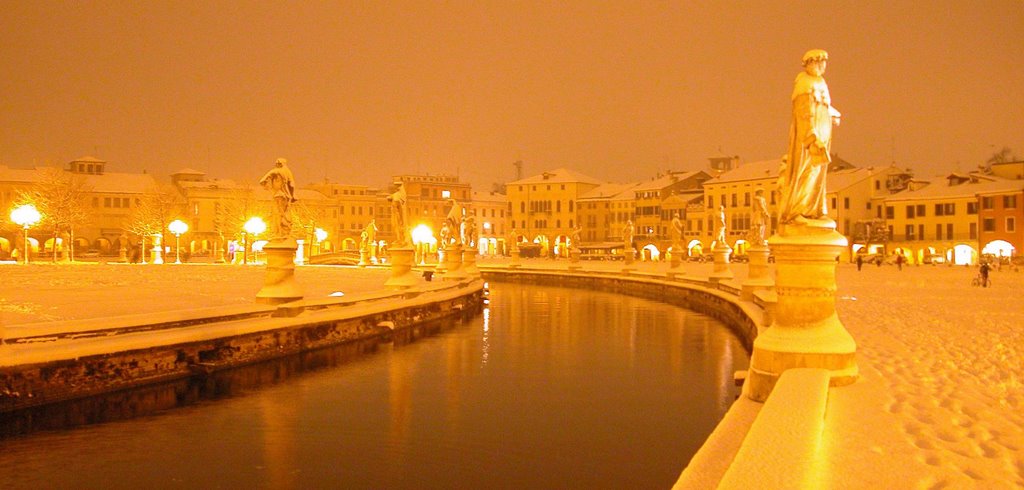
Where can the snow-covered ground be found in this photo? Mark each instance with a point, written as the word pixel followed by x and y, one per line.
pixel 940 402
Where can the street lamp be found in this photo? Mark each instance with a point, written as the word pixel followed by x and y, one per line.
pixel 25 216
pixel 320 235
pixel 253 227
pixel 421 237
pixel 177 227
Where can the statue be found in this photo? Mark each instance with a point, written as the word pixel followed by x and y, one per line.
pixel 676 230
pixel 369 236
pixel 574 237
pixel 468 230
pixel 802 176
pixel 627 235
pixel 399 217
pixel 446 234
pixel 720 228
pixel 760 219
pixel 454 220
pixel 280 181
pixel 513 239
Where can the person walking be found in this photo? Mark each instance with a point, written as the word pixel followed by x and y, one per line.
pixel 899 261
pixel 983 270
pixel 860 261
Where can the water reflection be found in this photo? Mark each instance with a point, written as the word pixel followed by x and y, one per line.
pixel 548 388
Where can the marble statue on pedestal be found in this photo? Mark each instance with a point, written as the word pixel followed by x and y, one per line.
pixel 400 217
pixel 676 232
pixel 627 235
pixel 574 237
pixel 280 181
pixel 802 177
pixel 720 227
pixel 454 221
pixel 760 219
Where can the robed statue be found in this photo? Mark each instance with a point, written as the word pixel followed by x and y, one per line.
pixel 280 181
pixel 400 217
pixel 802 176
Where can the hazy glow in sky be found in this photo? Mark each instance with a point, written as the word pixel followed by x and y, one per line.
pixel 359 91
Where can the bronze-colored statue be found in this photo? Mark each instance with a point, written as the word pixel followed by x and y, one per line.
pixel 802 177
pixel 280 181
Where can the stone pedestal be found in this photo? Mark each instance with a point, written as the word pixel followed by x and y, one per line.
pixel 628 256
pixel 675 260
pixel 453 255
pixel 401 268
pixel 757 277
pixel 158 254
pixel 218 252
pixel 122 254
pixel 515 262
pixel 469 262
pixel 721 270
pixel 442 259
pixel 279 284
pixel 574 259
pixel 364 258
pixel 805 331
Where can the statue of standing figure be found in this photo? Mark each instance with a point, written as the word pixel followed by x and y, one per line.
pixel 468 230
pixel 676 230
pixel 400 217
pixel 760 218
pixel 627 235
pixel 370 233
pixel 802 176
pixel 720 227
pixel 574 238
pixel 280 181
pixel 454 221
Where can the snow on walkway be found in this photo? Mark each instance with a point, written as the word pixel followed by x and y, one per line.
pixel 940 401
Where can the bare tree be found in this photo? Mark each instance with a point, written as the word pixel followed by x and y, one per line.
pixel 1002 156
pixel 157 207
pixel 60 198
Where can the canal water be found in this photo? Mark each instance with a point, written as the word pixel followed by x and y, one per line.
pixel 547 388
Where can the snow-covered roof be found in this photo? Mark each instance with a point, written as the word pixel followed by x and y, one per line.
pixel 88 159
pixel 765 169
pixel 608 191
pixel 496 197
pixel 19 175
pixel 558 176
pixel 841 179
pixel 120 183
pixel 664 181
pixel 940 190
pixel 188 171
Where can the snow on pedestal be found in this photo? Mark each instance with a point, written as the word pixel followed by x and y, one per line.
pixel 401 268
pixel 805 332
pixel 279 284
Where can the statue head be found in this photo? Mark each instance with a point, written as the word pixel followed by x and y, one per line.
pixel 815 62
pixel 280 162
pixel 759 192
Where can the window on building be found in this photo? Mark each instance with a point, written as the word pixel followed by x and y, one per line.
pixel 733 200
pixel 910 232
pixel 558 206
pixel 721 200
pixel 522 207
pixel 920 232
pixel 988 202
pixel 1009 202
pixel 920 210
pixel 973 231
pixel 106 202
pixel 846 203
pixel 878 184
pixel 910 212
pixel 890 212
pixel 988 225
pixel 570 206
pixel 972 208
pixel 938 210
pixel 938 232
pixel 1011 224
pixel 833 202
pixel 949 231
pixel 711 202
pixel 746 199
pixel 95 202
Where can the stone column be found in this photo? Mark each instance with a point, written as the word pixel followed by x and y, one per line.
pixel 757 277
pixel 364 257
pixel 721 270
pixel 515 262
pixel 401 269
pixel 805 331
pixel 279 284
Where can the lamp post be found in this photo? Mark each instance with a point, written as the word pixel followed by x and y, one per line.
pixel 25 216
pixel 421 237
pixel 177 227
pixel 320 235
pixel 253 227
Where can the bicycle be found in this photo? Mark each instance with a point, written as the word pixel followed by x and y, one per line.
pixel 981 281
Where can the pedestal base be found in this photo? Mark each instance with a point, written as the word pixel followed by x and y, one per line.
pixel 469 263
pixel 279 284
pixel 757 277
pixel 721 271
pixel 805 331
pixel 574 259
pixel 364 258
pixel 401 269
pixel 453 264
pixel 515 262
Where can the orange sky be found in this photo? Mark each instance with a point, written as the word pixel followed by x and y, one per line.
pixel 360 91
